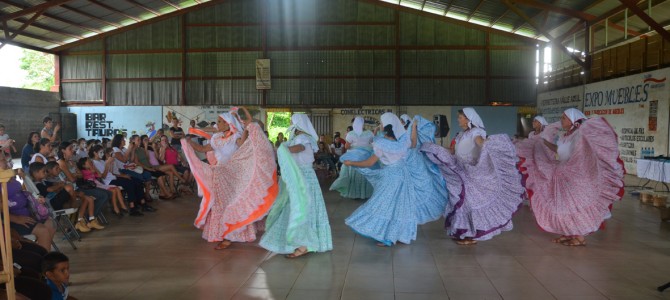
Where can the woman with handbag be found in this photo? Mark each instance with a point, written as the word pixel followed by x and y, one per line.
pixel 21 206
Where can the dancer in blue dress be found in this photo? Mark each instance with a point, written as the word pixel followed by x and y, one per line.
pixel 351 183
pixel 298 221
pixel 395 209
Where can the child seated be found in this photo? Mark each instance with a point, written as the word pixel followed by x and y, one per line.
pixel 56 268
pixel 89 172
pixel 87 202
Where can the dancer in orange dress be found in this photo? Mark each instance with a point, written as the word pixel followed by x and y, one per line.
pixel 239 189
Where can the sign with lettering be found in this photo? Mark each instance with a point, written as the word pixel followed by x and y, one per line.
pixel 637 107
pixel 97 122
pixel 552 104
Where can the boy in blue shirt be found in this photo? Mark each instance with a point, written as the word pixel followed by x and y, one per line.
pixel 56 268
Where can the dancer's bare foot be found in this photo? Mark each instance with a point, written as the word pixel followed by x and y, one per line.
pixel 561 239
pixel 466 242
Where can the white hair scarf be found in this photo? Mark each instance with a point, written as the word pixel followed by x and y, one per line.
pixel 233 122
pixel 542 120
pixel 358 125
pixel 474 118
pixel 398 128
pixel 574 115
pixel 301 122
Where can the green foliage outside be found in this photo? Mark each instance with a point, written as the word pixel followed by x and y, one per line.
pixel 40 68
pixel 278 122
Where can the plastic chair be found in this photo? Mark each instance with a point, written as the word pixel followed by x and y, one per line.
pixel 61 217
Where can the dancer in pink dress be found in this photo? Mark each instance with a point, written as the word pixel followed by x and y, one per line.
pixel 241 187
pixel 571 191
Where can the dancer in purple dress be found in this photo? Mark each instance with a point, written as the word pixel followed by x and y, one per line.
pixel 482 179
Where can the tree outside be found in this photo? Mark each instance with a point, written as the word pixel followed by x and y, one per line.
pixel 40 70
pixel 278 122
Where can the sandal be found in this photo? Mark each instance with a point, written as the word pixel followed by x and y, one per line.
pixel 466 242
pixel 561 239
pixel 297 253
pixel 225 244
pixel 574 243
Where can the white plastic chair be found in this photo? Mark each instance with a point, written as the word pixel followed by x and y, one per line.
pixel 59 216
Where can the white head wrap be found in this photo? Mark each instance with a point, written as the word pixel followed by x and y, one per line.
pixel 233 122
pixel 574 115
pixel 301 122
pixel 398 128
pixel 358 125
pixel 542 120
pixel 405 118
pixel 474 118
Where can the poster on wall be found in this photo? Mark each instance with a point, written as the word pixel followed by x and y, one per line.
pixel 263 79
pixel 342 117
pixel 552 104
pixel 202 116
pixel 637 107
pixel 97 122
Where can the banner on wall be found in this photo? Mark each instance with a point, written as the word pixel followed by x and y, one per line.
pixel 97 122
pixel 637 107
pixel 342 117
pixel 552 104
pixel 202 115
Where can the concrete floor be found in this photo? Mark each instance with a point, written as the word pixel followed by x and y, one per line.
pixel 161 256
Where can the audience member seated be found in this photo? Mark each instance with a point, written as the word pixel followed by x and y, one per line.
pixel 56 268
pixel 170 156
pixel 43 150
pixel 20 212
pixel 135 188
pixel 72 174
pixel 323 157
pixel 141 158
pixel 54 176
pixel 91 174
pixel 28 150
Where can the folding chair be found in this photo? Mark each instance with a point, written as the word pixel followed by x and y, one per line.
pixel 61 217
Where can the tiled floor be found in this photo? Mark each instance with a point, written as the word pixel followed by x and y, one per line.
pixel 161 256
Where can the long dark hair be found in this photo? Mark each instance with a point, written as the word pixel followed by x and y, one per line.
pixel 116 141
pixel 61 147
pixel 388 131
pixel 30 138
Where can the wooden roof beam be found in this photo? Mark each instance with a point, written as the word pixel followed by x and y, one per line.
pixel 475 10
pixel 523 15
pixel 26 46
pixel 83 13
pixel 20 30
pixel 16 32
pixel 632 5
pixel 33 9
pixel 50 16
pixel 112 9
pixel 142 6
pixel 48 28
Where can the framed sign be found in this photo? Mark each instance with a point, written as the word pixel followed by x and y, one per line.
pixel 263 80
